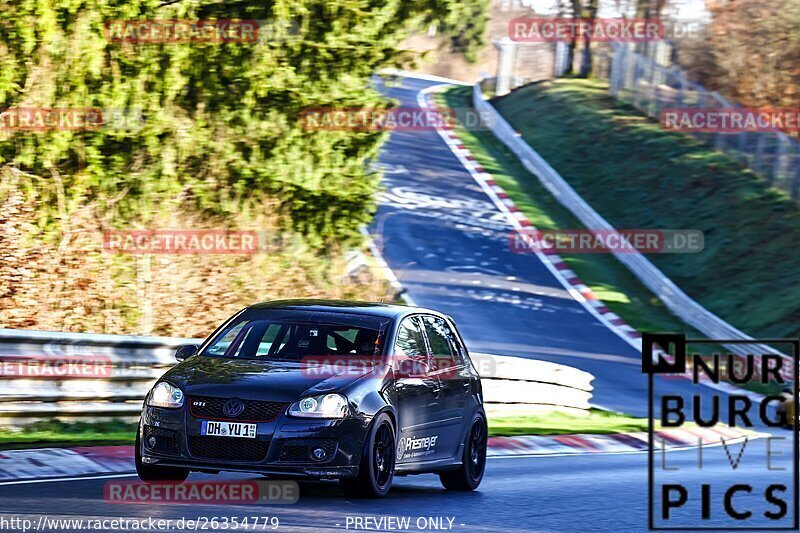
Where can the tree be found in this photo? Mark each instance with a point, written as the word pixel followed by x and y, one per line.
pixel 220 122
pixel 755 46
pixel 585 10
pixel 466 25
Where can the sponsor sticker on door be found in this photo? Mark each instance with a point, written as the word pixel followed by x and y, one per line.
pixel 416 447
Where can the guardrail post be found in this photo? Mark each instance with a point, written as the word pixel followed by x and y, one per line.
pixel 505 65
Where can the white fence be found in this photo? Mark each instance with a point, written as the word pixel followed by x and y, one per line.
pixel 673 297
pixel 131 365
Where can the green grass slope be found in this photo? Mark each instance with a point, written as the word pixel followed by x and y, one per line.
pixel 638 176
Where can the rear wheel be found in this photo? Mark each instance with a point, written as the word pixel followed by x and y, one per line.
pixel 470 473
pixel 154 473
pixel 376 471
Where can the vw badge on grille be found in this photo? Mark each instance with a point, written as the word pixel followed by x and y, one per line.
pixel 233 408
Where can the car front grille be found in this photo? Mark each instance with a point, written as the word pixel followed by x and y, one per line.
pixel 228 449
pixel 298 450
pixel 254 411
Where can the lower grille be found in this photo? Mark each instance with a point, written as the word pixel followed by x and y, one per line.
pixel 298 450
pixel 228 449
pixel 166 440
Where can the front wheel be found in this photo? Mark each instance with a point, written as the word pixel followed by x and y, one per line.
pixel 376 471
pixel 154 474
pixel 470 473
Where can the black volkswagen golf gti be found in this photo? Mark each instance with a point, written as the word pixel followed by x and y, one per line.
pixel 358 392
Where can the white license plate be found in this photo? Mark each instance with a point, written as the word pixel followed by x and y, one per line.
pixel 229 429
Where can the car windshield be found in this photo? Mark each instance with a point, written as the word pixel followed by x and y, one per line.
pixel 294 339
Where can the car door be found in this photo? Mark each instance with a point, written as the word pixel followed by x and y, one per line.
pixel 418 395
pixel 455 378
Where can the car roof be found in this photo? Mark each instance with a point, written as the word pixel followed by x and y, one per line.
pixel 345 306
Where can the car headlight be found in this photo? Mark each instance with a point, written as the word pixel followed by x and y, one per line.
pixel 166 395
pixel 324 406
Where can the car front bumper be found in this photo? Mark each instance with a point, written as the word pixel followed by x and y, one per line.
pixel 282 446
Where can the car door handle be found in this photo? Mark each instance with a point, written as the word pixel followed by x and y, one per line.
pixel 467 386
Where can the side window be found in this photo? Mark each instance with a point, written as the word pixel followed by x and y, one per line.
pixel 443 343
pixel 410 342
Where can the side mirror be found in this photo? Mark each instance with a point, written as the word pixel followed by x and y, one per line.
pixel 412 368
pixel 186 351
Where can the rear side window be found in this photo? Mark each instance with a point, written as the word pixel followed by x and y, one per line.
pixel 444 344
pixel 410 342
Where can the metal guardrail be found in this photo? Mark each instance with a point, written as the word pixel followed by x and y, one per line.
pixel 120 369
pixel 129 366
pixel 673 297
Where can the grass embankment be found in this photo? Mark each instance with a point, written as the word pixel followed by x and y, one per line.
pixel 597 422
pixel 608 278
pixel 639 176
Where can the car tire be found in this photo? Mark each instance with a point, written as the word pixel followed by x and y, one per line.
pixel 376 470
pixel 473 464
pixel 155 474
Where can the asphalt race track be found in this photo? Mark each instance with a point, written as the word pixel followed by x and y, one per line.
pixel 583 493
pixel 448 246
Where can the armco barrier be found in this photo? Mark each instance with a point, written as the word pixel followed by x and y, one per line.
pixel 134 363
pixel 511 385
pixel 673 297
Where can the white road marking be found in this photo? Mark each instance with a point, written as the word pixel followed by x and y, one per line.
pixel 60 479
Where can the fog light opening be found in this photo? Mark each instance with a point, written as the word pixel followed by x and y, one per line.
pixel 319 454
